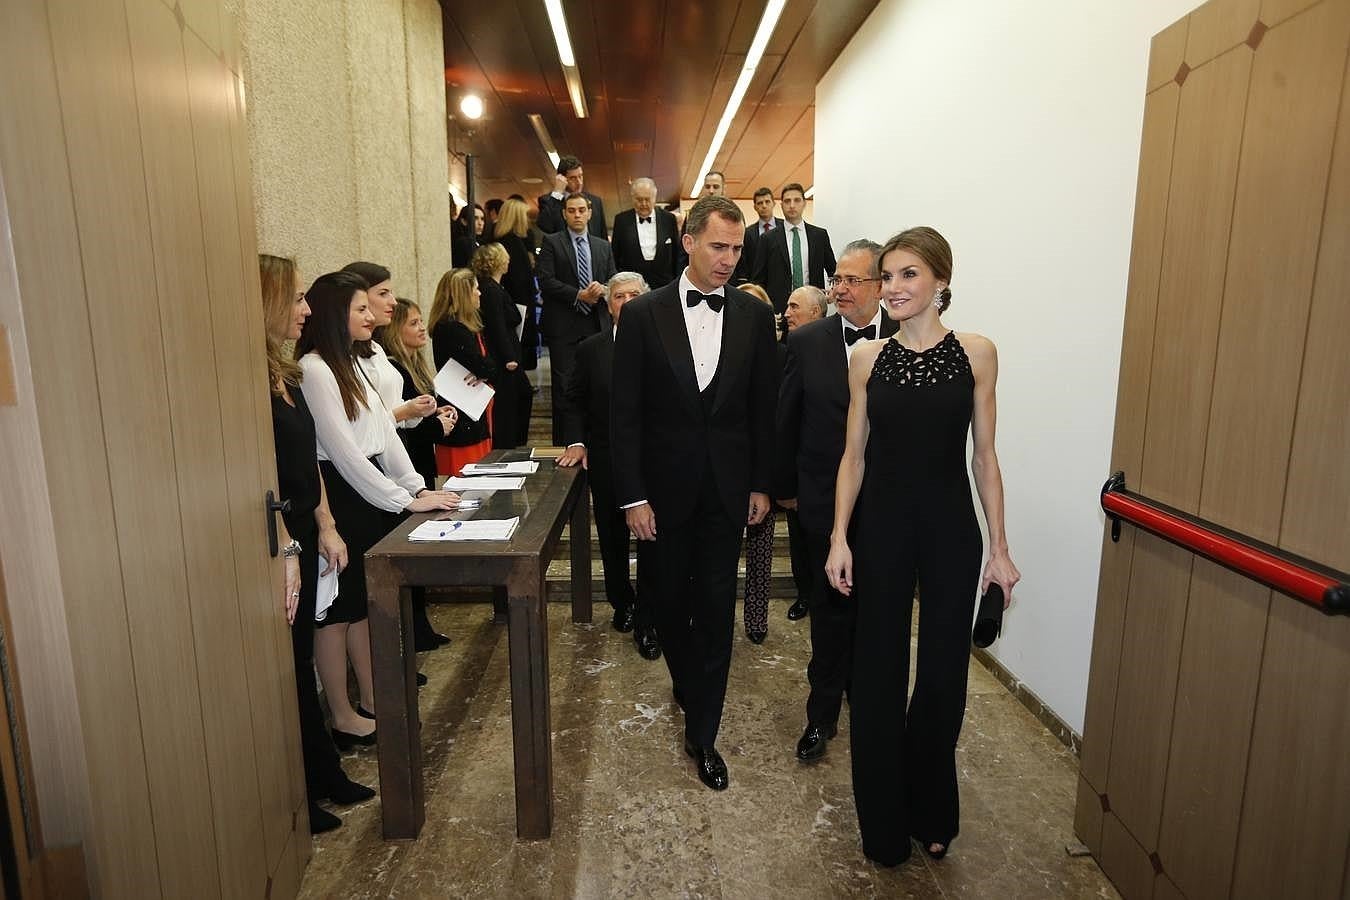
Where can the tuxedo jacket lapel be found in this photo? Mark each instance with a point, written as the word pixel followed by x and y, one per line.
pixel 835 350
pixel 670 328
pixel 736 322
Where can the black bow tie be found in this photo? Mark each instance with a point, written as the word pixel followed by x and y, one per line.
pixel 715 301
pixel 646 221
pixel 856 334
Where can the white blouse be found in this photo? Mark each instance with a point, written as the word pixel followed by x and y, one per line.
pixel 388 382
pixel 350 445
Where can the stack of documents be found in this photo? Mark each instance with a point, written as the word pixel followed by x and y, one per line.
pixel 524 467
pixel 547 452
pixel 465 530
pixel 452 384
pixel 484 483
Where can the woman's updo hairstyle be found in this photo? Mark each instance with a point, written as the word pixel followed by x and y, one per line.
pixel 931 247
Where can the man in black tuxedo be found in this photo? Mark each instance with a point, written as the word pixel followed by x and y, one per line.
pixel 796 254
pixel 587 436
pixel 695 367
pixel 572 270
pixel 569 180
pixel 767 222
pixel 647 239
pixel 812 410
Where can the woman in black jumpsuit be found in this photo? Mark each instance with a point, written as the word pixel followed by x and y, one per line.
pixel 914 397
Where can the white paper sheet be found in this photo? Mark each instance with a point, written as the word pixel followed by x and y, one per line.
pixel 470 400
pixel 520 326
pixel 522 467
pixel 326 591
pixel 465 530
pixel 483 483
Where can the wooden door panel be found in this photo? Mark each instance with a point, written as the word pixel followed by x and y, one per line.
pixel 1273 12
pixel 1155 615
pixel 236 361
pixel 1315 523
pixel 1295 820
pixel 195 422
pixel 1141 307
pixel 1216 699
pixel 1166 54
pixel 1124 861
pixel 1209 129
pixel 1217 26
pixel 1277 214
pixel 94 72
pixel 1108 633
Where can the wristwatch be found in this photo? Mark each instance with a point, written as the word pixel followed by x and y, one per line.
pixel 291 550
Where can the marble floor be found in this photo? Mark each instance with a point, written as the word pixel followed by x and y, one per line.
pixel 632 820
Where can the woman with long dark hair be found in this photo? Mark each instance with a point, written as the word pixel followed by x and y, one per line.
pixel 914 397
pixel 308 534
pixel 371 483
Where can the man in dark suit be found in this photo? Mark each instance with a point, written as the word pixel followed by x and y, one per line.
pixel 812 409
pixel 695 366
pixel 587 436
pixel 796 254
pixel 569 180
pixel 646 239
pixel 767 222
pixel 572 270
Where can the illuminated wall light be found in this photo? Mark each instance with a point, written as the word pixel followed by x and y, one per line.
pixel 772 10
pixel 810 192
pixel 472 106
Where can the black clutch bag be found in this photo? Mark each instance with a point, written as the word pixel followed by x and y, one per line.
pixel 989 618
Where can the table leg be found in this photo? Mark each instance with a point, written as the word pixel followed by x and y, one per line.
pixel 395 676
pixel 581 553
pixel 530 720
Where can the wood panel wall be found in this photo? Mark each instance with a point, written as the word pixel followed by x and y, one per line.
pixel 125 153
pixel 1213 755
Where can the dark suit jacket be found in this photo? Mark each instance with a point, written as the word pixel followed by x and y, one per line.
pixel 557 272
pixel 773 264
pixel 551 218
pixel 588 393
pixel 746 266
pixel 664 445
pixel 669 260
pixel 812 412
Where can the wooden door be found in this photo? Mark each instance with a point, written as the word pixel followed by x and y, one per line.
pixel 1213 759
pixel 124 149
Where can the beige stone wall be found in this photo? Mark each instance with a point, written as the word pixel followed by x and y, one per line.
pixel 346 113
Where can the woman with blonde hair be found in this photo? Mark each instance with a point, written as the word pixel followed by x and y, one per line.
pixel 511 406
pixel 456 326
pixel 307 533
pixel 513 233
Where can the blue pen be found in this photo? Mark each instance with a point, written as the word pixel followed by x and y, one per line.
pixel 453 526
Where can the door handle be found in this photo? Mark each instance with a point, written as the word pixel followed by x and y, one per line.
pixel 274 506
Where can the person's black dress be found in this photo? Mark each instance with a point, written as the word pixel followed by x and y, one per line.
pixel 520 285
pixel 915 526
pixel 298 482
pixel 511 405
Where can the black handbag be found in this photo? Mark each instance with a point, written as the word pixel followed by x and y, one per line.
pixel 989 618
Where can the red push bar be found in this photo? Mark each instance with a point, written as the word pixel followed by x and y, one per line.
pixel 1302 579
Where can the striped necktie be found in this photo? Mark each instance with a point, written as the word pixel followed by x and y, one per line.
pixel 583 260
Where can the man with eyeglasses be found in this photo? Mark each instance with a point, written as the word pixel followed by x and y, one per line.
pixel 794 255
pixel 812 409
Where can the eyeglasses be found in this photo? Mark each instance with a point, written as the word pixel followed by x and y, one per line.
pixel 850 280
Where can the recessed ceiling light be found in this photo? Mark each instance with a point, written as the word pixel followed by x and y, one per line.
pixel 472 106
pixel 531 179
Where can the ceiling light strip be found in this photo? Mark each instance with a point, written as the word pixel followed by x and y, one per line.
pixel 772 10
pixel 568 59
pixel 545 139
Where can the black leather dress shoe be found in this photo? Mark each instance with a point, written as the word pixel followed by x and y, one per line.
pixel 712 771
pixel 321 820
pixel 363 712
pixel 648 646
pixel 421 680
pixel 430 640
pixel 345 740
pixel 798 610
pixel 623 618
pixel 347 792
pixel 812 744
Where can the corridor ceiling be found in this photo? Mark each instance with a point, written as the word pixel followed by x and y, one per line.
pixel 656 76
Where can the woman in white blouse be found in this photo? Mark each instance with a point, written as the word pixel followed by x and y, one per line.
pixel 408 414
pixel 370 482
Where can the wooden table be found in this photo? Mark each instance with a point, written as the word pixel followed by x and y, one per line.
pixel 551 498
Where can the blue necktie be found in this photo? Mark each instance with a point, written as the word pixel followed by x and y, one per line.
pixel 583 261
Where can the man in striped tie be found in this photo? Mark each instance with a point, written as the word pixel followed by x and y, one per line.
pixel 572 270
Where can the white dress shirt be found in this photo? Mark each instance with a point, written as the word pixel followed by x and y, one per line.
pixel 806 254
pixel 848 326
pixel 349 445
pixel 647 235
pixel 388 382
pixel 704 328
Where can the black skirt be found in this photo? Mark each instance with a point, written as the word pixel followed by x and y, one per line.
pixel 361 527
